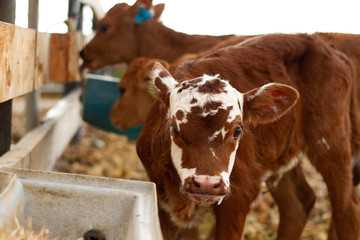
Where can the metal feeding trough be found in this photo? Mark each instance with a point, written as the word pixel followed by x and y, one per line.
pixel 72 206
pixel 100 95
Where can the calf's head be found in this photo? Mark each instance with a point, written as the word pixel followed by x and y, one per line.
pixel 118 34
pixel 207 119
pixel 135 98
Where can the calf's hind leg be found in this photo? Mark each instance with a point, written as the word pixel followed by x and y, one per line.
pixel 295 198
pixel 332 160
pixel 332 230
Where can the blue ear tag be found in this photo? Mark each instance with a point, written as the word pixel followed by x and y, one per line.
pixel 142 15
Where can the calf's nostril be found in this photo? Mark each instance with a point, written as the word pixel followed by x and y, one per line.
pixel 217 186
pixel 196 184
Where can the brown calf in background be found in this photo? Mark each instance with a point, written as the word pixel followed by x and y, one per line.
pixel 119 39
pixel 135 100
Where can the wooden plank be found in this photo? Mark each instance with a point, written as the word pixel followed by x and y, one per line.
pixel 17 58
pixel 59 57
pixel 64 57
pixel 41 147
pixel 75 44
pixel 42 65
pixel 7 14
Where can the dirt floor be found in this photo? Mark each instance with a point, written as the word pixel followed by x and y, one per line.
pixel 106 154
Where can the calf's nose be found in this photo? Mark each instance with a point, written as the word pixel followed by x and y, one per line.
pixel 208 185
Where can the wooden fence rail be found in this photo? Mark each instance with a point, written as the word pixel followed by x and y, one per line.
pixel 43 145
pixel 28 60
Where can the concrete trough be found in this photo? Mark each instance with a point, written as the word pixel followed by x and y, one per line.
pixel 72 206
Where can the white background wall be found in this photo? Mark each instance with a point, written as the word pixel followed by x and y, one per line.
pixel 217 17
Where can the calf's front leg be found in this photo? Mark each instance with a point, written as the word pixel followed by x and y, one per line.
pixel 230 219
pixel 169 230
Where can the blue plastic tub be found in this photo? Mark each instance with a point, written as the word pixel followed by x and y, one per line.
pixel 100 95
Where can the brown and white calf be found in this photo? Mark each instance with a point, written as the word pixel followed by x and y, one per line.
pixel 226 122
pixel 131 108
pixel 119 39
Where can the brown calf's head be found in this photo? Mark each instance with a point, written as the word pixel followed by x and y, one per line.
pixel 135 100
pixel 207 119
pixel 115 40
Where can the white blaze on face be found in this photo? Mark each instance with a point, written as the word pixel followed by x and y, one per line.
pixel 176 155
pixel 187 95
pixel 226 175
pixel 232 158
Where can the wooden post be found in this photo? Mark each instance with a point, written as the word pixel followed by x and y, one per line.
pixel 32 98
pixel 7 14
pixel 74 13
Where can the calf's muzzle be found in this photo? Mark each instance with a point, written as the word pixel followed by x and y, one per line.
pixel 205 189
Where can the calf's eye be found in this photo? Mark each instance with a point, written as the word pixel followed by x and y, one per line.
pixel 237 132
pixel 175 131
pixel 122 91
pixel 103 28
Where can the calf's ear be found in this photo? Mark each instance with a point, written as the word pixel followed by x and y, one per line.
pixel 140 11
pixel 153 91
pixel 161 79
pixel 158 9
pixel 145 3
pixel 268 103
pixel 148 67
